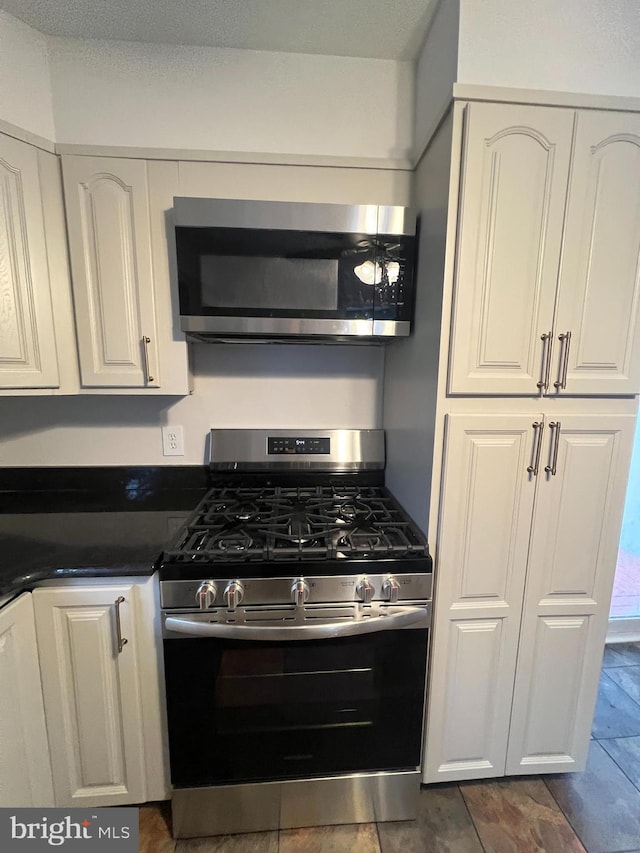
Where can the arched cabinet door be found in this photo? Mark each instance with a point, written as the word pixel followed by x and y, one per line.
pixel 28 357
pixel 600 276
pixel 512 198
pixel 109 226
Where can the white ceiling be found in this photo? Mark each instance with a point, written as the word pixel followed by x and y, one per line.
pixel 380 29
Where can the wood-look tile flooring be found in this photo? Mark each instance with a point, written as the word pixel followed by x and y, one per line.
pixel 597 811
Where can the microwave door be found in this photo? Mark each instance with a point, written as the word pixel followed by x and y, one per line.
pixel 244 281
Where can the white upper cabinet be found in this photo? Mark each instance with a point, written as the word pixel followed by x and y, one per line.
pixel 514 184
pixel 598 294
pixel 109 239
pixel 547 281
pixel 28 356
pixel 119 264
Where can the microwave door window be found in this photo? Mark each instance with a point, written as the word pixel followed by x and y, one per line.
pixel 291 274
pixel 269 284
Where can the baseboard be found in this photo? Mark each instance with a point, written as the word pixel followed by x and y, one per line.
pixel 623 631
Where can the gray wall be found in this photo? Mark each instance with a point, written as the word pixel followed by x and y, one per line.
pixel 411 366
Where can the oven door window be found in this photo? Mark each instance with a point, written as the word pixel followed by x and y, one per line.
pixel 241 272
pixel 247 711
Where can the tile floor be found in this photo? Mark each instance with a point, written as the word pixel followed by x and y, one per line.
pixel 597 811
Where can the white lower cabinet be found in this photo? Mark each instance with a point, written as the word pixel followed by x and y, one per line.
pixel 572 559
pixel 486 507
pixel 531 508
pixel 102 695
pixel 25 771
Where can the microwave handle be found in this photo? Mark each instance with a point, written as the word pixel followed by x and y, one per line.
pixel 402 617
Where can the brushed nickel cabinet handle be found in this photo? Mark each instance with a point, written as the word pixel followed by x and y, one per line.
pixel 538 427
pixel 547 341
pixel 122 641
pixel 565 342
pixel 146 340
pixel 554 426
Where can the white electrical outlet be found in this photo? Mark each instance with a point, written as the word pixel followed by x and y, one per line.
pixel 172 441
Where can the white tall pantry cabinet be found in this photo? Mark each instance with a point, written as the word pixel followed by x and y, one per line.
pixel 540 365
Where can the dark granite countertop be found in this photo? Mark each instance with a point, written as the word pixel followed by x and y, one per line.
pixel 90 522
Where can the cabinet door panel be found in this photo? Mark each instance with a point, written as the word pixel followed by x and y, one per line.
pixel 514 183
pixel 109 240
pixel 486 509
pixel 579 511
pixel 91 695
pixel 25 771
pixel 599 283
pixel 572 561
pixel 472 746
pixel 552 713
pixel 481 557
pixel 28 356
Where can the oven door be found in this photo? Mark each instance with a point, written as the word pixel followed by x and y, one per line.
pixel 275 709
pixel 274 269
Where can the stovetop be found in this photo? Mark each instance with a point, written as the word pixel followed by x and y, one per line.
pixel 295 504
pixel 237 524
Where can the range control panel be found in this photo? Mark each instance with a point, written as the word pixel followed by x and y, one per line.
pixel 229 592
pixel 293 445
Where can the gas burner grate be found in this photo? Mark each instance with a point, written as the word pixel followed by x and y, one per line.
pixel 386 540
pixel 318 522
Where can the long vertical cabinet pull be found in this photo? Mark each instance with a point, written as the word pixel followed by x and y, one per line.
pixel 538 427
pixel 146 340
pixel 554 426
pixel 547 342
pixel 565 342
pixel 122 641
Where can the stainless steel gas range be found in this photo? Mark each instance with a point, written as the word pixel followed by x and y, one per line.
pixel 296 608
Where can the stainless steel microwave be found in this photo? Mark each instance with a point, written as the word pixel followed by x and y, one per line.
pixel 251 270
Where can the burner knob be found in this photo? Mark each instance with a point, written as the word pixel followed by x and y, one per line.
pixel 391 589
pixel 233 594
pixel 300 592
pixel 364 590
pixel 206 595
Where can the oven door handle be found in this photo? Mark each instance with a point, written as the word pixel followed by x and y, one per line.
pixel 402 617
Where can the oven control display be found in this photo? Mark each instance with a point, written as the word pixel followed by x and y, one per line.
pixel 291 445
